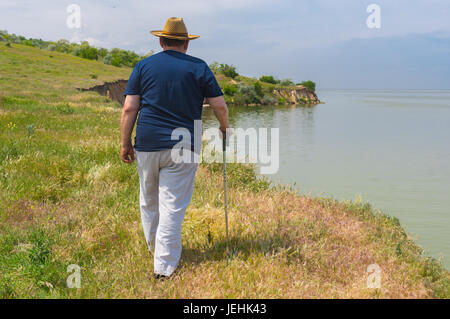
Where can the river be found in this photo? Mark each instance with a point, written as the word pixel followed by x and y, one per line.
pixel 388 148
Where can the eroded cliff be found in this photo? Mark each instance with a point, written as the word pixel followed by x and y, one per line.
pixel 297 95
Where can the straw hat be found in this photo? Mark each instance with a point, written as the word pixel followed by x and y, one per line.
pixel 174 29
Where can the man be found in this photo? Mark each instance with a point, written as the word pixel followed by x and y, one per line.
pixel 168 90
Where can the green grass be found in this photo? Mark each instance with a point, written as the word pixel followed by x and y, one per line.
pixel 66 198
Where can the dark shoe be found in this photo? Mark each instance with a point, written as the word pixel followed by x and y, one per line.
pixel 160 277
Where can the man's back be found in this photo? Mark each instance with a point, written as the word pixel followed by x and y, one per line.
pixel 168 89
pixel 172 86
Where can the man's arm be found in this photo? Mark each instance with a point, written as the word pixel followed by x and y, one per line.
pixel 129 115
pixel 220 111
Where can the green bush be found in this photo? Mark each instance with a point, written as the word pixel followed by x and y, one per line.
pixel 228 100
pixel 107 59
pixel 115 60
pixel 102 52
pixel 249 93
pixel 228 70
pixel 268 79
pixel 230 89
pixel 215 67
pixel 286 82
pixel 268 100
pixel 310 85
pixel 240 99
pixel 281 100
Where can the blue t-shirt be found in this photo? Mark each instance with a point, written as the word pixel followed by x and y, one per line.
pixel 172 86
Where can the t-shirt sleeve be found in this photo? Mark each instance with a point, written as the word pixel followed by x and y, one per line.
pixel 134 82
pixel 212 88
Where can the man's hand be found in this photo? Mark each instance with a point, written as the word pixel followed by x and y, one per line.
pixel 221 112
pixel 225 131
pixel 129 115
pixel 127 154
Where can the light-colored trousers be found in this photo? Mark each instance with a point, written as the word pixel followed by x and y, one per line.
pixel 166 189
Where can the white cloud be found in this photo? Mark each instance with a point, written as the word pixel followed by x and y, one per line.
pixel 258 36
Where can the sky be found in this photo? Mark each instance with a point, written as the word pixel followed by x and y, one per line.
pixel 326 41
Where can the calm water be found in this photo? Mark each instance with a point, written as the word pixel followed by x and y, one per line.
pixel 391 148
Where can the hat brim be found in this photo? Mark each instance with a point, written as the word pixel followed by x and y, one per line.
pixel 160 33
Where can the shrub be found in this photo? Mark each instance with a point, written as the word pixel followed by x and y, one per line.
pixel 228 70
pixel 268 100
pixel 64 46
pixel 268 79
pixel 249 94
pixel 115 60
pixel 228 99
pixel 87 52
pixel 281 100
pixel 239 99
pixel 76 51
pixel 310 85
pixel 107 59
pixel 230 89
pixel 27 42
pixel 258 89
pixel 286 82
pixel 215 67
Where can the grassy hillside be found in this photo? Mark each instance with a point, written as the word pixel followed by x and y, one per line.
pixel 66 198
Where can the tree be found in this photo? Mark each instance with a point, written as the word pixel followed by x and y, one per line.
pixel 85 51
pixel 228 70
pixel 115 60
pixel 102 52
pixel 63 45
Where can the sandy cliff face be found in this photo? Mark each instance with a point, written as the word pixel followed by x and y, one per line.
pixel 299 95
pixel 113 90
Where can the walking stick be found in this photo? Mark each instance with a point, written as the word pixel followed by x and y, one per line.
pixel 224 148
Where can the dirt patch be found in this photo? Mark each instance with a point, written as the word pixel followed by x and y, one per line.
pixel 113 90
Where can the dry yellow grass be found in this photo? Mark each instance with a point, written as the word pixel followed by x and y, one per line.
pixel 67 199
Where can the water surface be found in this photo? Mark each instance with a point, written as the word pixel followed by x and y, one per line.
pixel 391 148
